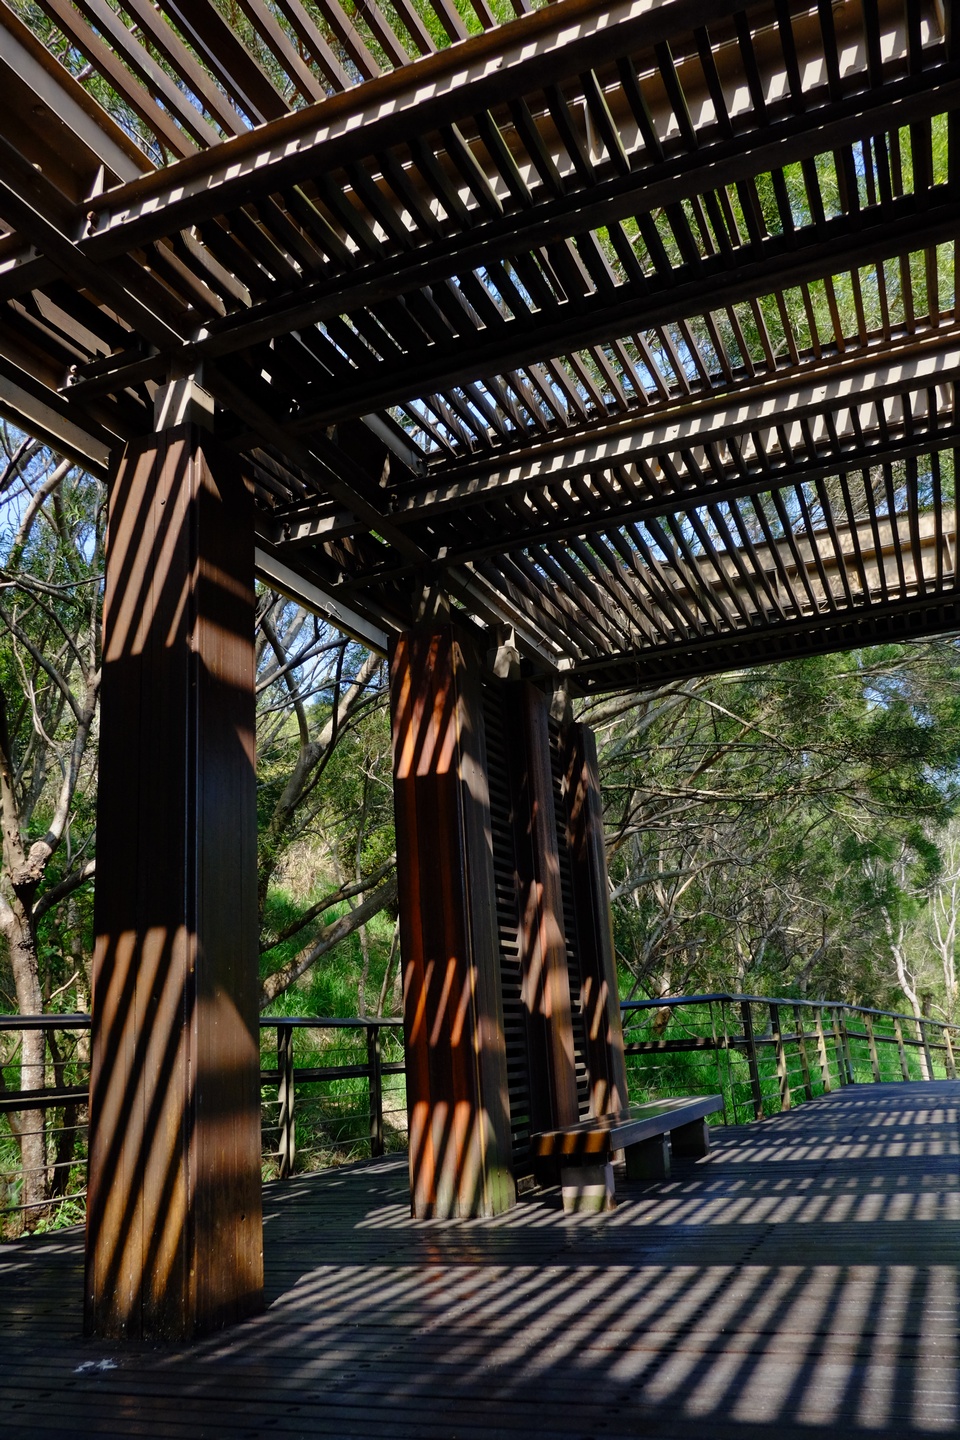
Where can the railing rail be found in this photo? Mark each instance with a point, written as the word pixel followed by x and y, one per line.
pixel 316 1098
pixel 764 1054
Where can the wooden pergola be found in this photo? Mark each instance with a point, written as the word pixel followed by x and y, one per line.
pixel 612 343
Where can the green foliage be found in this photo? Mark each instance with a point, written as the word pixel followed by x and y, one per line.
pixel 333 986
pixel 759 822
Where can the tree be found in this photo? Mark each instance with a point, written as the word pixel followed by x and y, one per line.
pixel 51 555
pixel 741 808
pixel 943 917
pixel 323 762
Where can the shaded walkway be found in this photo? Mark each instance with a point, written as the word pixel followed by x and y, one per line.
pixel 802 1281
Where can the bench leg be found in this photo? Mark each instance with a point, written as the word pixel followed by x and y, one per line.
pixel 587 1189
pixel 649 1159
pixel 691 1139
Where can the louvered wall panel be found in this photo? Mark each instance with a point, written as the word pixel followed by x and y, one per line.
pixel 508 926
pixel 569 921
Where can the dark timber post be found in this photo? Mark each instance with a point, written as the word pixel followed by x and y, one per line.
pixel 375 1068
pixel 457 1103
pixel 752 1065
pixel 847 1053
pixel 174 1238
pixel 783 1072
pixel 286 1102
pixel 801 1039
pixel 600 997
pixel 872 1043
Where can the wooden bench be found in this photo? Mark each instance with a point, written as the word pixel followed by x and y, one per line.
pixel 584 1152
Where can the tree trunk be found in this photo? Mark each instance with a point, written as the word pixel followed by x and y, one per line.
pixel 904 981
pixel 28 1126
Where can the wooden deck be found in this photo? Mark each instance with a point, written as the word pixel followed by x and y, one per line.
pixel 802 1281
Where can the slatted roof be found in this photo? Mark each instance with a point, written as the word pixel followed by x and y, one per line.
pixel 630 326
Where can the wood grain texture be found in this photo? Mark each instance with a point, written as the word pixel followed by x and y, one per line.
pixel 174 1243
pixel 600 998
pixel 458 1107
pixel 802 1282
pixel 543 943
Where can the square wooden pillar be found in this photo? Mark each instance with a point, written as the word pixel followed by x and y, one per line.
pixel 599 991
pixel 174 1232
pixel 460 1159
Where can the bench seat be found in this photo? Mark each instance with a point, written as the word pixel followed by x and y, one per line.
pixel 645 1133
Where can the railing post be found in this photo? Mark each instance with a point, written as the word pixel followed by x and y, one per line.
pixel 802 1047
pixel 847 1052
pixel 839 1036
pixel 287 1146
pixel 728 1088
pixel 922 1029
pixel 374 1063
pixel 951 1063
pixel 752 1060
pixel 786 1099
pixel 902 1049
pixel 823 1056
pixel 874 1057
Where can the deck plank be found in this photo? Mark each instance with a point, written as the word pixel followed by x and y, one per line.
pixel 801 1281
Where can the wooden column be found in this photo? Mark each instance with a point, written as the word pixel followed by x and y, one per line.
pixel 543 946
pixel 600 997
pixel 460 1160
pixel 174 1235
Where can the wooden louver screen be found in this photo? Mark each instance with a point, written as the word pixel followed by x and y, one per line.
pixel 508 923
pixel 569 920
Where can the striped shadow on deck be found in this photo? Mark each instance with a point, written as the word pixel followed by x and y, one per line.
pixel 801 1282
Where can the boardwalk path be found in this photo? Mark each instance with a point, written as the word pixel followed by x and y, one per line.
pixel 803 1281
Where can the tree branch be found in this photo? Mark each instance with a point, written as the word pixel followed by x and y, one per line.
pixel 329 936
pixel 345 892
pixel 63 888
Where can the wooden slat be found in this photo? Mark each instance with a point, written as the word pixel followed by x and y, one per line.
pixel 774 1274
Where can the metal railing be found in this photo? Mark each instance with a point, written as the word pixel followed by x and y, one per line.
pixel 352 1104
pixel 331 1090
pixel 766 1054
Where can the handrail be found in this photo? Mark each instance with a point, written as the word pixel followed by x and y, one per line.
pixel 827 1043
pixel 80 1020
pixel 734 997
pixel 774 1064
pixel 287 1076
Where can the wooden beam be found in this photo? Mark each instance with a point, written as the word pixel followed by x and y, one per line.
pixel 783 398
pixel 890 622
pixel 174 1244
pixel 784 262
pixel 437 90
pixel 81 126
pixel 714 165
pixel 277 572
pixel 43 413
pixel 35 208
